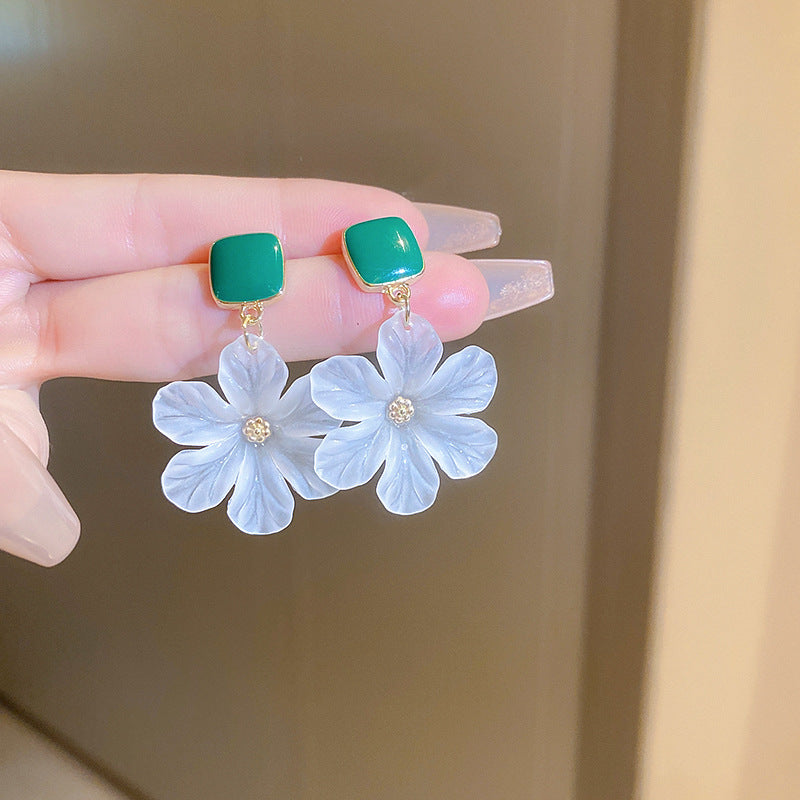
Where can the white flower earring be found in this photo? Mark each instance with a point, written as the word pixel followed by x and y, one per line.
pixel 411 415
pixel 259 440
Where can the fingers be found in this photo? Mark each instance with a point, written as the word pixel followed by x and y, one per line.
pixel 78 226
pixel 162 325
pixel 36 522
pixel 19 412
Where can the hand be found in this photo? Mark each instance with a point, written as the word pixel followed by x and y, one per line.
pixel 105 276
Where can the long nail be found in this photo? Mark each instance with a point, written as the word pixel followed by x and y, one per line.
pixel 515 283
pixel 36 521
pixel 459 230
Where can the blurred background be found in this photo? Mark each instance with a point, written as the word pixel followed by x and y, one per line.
pixel 610 610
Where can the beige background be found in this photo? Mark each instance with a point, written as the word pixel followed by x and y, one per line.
pixel 356 655
pixel 723 697
pixel 33 767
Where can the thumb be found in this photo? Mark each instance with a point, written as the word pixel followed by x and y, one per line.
pixel 36 521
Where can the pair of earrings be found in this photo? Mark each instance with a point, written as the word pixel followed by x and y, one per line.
pixel 263 440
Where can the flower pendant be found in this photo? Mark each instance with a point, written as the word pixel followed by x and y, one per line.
pixel 407 418
pixel 257 442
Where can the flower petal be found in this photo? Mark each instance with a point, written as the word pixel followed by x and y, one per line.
pixel 462 446
pixel 408 357
pixel 349 388
pixel 261 503
pixel 252 380
pixel 191 412
pixel 465 383
pixel 410 481
pixel 296 414
pixel 350 456
pixel 294 458
pixel 195 480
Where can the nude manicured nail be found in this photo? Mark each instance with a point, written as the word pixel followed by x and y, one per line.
pixel 36 521
pixel 515 283
pixel 459 230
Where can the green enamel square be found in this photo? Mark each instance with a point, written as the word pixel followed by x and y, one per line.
pixel 246 268
pixel 382 252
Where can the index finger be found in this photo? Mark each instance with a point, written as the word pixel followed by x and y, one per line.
pixel 64 227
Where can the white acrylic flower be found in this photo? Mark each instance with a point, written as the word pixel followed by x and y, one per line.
pixel 257 441
pixel 407 418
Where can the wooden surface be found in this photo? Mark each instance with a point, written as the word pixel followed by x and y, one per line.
pixel 651 89
pixel 356 655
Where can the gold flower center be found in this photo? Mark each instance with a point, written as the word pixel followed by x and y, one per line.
pixel 256 430
pixel 400 410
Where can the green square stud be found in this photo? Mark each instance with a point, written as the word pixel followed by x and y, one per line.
pixel 382 252
pixel 246 268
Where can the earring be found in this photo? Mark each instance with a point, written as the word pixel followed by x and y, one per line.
pixel 257 441
pixel 411 415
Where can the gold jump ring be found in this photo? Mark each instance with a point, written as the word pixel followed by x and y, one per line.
pixel 401 297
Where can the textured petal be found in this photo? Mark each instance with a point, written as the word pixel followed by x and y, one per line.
pixel 349 388
pixel 294 457
pixel 296 414
pixel 261 502
pixel 408 357
pixel 195 480
pixel 465 383
pixel 252 381
pixel 462 446
pixel 410 481
pixel 350 456
pixel 191 412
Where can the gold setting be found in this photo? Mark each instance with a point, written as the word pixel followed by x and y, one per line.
pixel 400 410
pixel 256 430
pixel 263 302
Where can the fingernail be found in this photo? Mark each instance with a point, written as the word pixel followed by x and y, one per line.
pixel 459 230
pixel 36 521
pixel 515 283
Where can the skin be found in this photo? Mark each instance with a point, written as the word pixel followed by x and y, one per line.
pixel 106 276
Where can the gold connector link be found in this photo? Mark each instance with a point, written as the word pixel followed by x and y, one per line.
pixel 250 315
pixel 400 295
